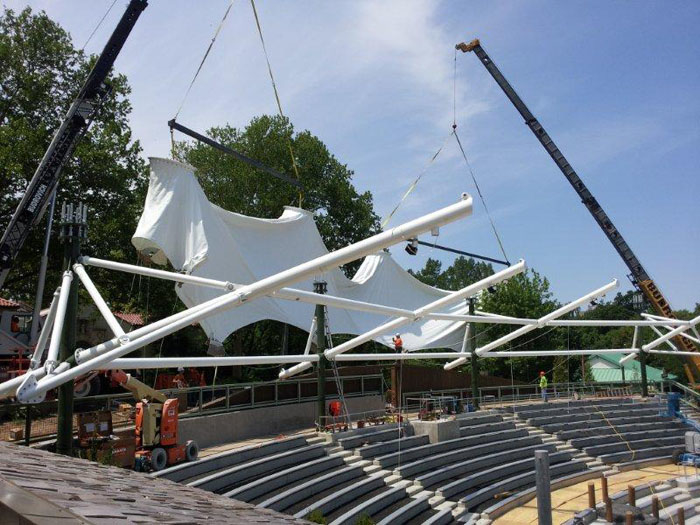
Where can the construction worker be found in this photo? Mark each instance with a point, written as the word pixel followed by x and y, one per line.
pixel 543 386
pixel 14 324
pixel 179 380
pixel 398 343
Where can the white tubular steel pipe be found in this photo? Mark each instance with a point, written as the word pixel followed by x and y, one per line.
pixel 668 343
pixel 33 391
pixel 487 318
pixel 286 373
pixel 403 356
pixel 153 272
pixel 669 335
pixel 107 314
pixel 310 339
pixel 634 348
pixel 668 327
pixel 200 362
pixel 542 321
pixel 52 358
pixel 45 332
pixel 674 352
pixel 545 353
pixel 435 305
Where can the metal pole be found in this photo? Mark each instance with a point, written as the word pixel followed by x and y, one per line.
pixel 475 358
pixel 34 331
pixel 544 497
pixel 643 367
pixel 73 229
pixel 320 288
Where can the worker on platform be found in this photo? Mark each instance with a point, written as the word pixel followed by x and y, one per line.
pixel 543 386
pixel 179 380
pixel 14 324
pixel 398 343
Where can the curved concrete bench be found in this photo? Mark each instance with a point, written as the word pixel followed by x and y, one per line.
pixel 485 428
pixel 308 489
pixel 447 458
pixel 465 420
pixel 385 447
pixel 612 437
pixel 555 405
pixel 639 444
pixel 375 437
pixel 342 497
pixel 407 512
pixel 442 517
pixel 282 478
pixel 563 408
pixel 615 421
pixel 526 479
pixel 209 464
pixel 502 471
pixel 337 436
pixel 451 444
pixel 482 462
pixel 371 506
pixel 605 428
pixel 645 453
pixel 226 478
pixel 589 416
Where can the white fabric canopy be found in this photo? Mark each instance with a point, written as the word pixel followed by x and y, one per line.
pixel 180 225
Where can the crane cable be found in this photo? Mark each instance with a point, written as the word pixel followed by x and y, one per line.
pixel 199 69
pixel 277 96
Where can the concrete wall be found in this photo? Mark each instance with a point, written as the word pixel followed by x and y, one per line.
pixel 217 429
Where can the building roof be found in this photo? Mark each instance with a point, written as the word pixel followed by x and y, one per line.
pixel 132 319
pixel 632 370
pixel 48 487
pixel 9 303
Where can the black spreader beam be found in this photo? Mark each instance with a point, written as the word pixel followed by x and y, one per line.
pixel 460 252
pixel 243 158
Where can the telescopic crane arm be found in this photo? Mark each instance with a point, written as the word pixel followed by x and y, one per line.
pixel 638 275
pixel 137 388
pixel 76 122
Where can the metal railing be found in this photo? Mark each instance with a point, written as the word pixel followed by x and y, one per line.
pixel 194 401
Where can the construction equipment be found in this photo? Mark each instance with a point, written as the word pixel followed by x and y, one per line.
pixel 156 426
pixel 638 275
pixel 76 122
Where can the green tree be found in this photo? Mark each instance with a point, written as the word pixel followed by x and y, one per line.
pixel 40 74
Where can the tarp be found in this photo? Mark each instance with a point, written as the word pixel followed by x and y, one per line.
pixel 180 225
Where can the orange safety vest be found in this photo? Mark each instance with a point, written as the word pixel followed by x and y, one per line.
pixel 398 343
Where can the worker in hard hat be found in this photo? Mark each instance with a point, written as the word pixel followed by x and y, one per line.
pixel 543 386
pixel 179 380
pixel 398 343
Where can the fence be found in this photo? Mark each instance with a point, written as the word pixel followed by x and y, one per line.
pixel 193 402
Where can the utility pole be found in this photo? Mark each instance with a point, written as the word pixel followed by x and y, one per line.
pixel 643 367
pixel 320 287
pixel 471 327
pixel 73 230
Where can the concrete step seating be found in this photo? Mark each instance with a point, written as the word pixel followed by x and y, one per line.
pixel 410 470
pixel 604 429
pixel 556 405
pixel 645 453
pixel 571 408
pixel 380 435
pixel 333 504
pixel 229 478
pixel 312 489
pixel 460 470
pixel 441 517
pixel 473 430
pixel 615 420
pixel 416 453
pixel 392 446
pixel 619 437
pixel 190 471
pixel 285 478
pixel 478 418
pixel 487 477
pixel 639 444
pixel 514 483
pixel 371 506
pixel 413 509
pixel 591 416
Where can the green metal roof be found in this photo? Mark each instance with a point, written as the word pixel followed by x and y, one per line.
pixel 632 370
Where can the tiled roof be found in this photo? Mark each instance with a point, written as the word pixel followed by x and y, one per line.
pixel 7 303
pixel 70 490
pixel 132 319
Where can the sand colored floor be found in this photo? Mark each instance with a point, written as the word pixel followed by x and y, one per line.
pixel 568 501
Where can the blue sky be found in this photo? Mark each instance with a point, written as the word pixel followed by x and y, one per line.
pixel 615 83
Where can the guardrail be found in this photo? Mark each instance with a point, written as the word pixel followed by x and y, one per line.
pixel 194 401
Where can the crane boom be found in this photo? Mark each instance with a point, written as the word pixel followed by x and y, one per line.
pixel 76 121
pixel 638 275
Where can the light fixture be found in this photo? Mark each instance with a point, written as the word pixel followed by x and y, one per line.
pixel 412 247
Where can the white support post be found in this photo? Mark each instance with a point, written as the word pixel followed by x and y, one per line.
pixel 435 305
pixel 52 358
pixel 107 314
pixel 670 335
pixel 33 391
pixel 310 339
pixel 634 348
pixel 542 321
pixel 45 332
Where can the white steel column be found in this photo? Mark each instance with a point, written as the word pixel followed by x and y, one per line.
pixel 109 318
pixel 51 359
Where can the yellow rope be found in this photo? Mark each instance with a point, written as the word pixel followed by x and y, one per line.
pixel 277 97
